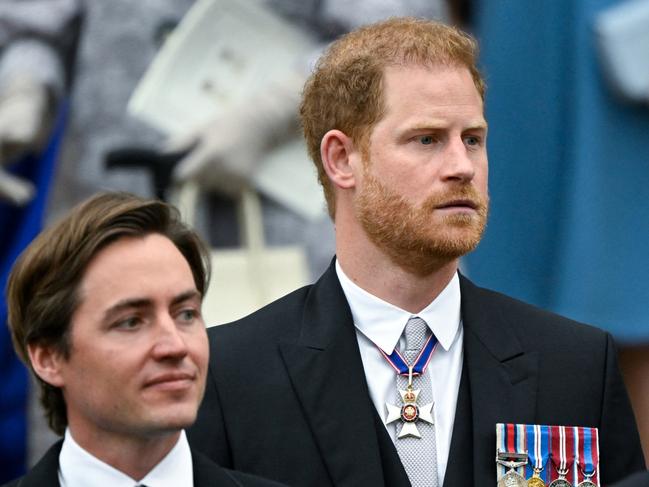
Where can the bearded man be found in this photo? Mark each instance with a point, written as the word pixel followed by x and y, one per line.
pixel 394 369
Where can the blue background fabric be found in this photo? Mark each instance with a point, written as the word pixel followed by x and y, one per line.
pixel 19 226
pixel 569 169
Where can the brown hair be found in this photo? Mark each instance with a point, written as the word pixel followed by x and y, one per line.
pixel 43 287
pixel 345 90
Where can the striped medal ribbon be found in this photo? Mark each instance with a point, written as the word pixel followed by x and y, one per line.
pixel 511 455
pixel 563 454
pixel 587 456
pixel 418 367
pixel 538 446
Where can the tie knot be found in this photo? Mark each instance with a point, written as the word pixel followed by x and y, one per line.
pixel 416 333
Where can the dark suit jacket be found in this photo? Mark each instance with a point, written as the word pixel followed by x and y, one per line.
pixel 206 473
pixel 287 397
pixel 636 480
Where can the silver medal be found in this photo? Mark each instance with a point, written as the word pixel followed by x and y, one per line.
pixel 560 482
pixel 512 479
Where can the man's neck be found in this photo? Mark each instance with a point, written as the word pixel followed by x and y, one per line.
pixel 133 456
pixel 373 271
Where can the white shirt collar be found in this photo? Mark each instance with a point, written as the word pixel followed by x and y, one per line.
pixel 76 466
pixel 383 323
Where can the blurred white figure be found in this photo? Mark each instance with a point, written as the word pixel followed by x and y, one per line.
pixel 37 43
pixel 226 152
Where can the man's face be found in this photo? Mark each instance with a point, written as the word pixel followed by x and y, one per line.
pixel 423 192
pixel 139 348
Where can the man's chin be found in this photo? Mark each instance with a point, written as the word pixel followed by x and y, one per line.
pixel 453 240
pixel 173 419
pixel 431 255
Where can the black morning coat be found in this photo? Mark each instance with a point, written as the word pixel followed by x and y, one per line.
pixel 206 473
pixel 287 397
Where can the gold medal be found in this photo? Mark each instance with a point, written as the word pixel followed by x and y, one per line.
pixel 535 480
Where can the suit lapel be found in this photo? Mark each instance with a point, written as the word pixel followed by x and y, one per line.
pixel 502 376
pixel 207 473
pixel 46 472
pixel 327 375
pixel 461 453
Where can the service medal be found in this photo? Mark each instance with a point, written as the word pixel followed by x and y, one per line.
pixel 511 455
pixel 588 456
pixel 563 449
pixel 535 480
pixel 537 441
pixel 512 479
pixel 560 482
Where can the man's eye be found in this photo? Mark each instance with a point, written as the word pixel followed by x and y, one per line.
pixel 472 140
pixel 128 323
pixel 426 139
pixel 188 315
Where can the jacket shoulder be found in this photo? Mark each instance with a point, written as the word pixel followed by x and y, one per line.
pixel 44 473
pixel 524 319
pixel 208 473
pixel 274 321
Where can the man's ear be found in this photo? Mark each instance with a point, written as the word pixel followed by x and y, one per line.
pixel 46 362
pixel 338 158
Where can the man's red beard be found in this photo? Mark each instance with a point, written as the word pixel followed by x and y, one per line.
pixel 418 238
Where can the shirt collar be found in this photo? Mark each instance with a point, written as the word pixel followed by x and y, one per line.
pixel 76 466
pixel 383 323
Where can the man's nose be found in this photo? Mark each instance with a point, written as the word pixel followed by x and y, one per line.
pixel 169 339
pixel 459 163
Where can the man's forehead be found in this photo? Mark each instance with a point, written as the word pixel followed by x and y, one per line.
pixel 426 94
pixel 136 268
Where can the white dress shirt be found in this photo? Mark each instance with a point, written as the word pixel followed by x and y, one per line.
pixel 381 324
pixel 78 468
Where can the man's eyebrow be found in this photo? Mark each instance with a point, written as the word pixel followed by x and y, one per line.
pixel 131 303
pixel 441 125
pixel 127 304
pixel 478 126
pixel 187 295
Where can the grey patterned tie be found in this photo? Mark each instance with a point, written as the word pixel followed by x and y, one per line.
pixel 418 455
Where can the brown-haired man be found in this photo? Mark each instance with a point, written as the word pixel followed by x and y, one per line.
pixel 393 117
pixel 105 308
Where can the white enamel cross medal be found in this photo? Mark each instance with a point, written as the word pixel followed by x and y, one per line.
pixel 410 412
